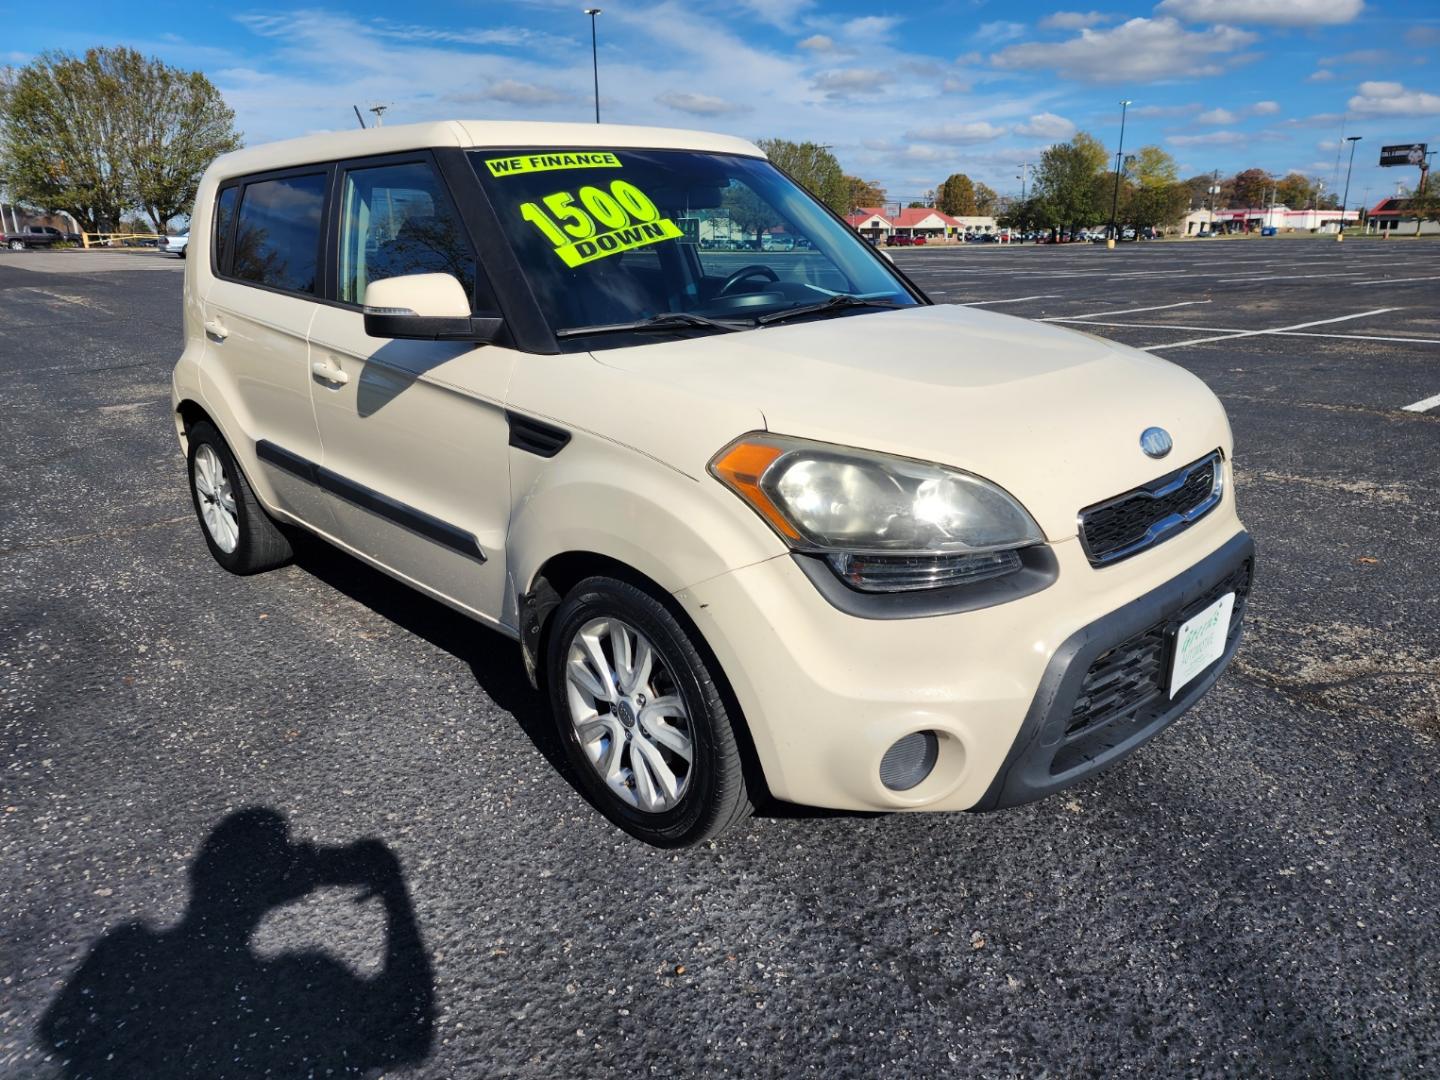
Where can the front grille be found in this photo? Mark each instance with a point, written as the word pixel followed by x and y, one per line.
pixel 1126 687
pixel 1130 523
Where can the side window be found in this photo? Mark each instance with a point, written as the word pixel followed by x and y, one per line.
pixel 224 214
pixel 396 220
pixel 277 238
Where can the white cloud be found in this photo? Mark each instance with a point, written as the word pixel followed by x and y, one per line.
pixel 1073 20
pixel 870 27
pixel 954 84
pixel 976 131
pixel 778 13
pixel 1393 99
pixel 819 43
pixel 1266 12
pixel 1323 75
pixel 516 92
pixel 995 33
pixel 1216 116
pixel 1265 108
pixel 1164 110
pixel 1137 51
pixel 1213 138
pixel 1046 126
pixel 848 82
pixel 700 104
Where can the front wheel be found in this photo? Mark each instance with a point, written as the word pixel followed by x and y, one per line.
pixel 17 245
pixel 641 716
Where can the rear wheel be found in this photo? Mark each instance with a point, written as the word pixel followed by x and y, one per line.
pixel 240 534
pixel 641 717
pixel 17 245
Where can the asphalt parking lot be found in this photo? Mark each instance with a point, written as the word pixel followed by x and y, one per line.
pixel 1253 894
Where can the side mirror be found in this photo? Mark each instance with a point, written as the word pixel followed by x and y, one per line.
pixel 425 307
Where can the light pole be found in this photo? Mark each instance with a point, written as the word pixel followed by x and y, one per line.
pixel 594 58
pixel 1115 200
pixel 1024 168
pixel 1344 202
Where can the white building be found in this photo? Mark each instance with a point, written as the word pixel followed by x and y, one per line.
pixel 1255 218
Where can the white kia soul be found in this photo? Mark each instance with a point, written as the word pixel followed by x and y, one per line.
pixel 764 520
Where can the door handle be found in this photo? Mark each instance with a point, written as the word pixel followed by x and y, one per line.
pixel 329 371
pixel 216 329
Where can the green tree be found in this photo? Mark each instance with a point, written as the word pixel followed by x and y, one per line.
pixel 1295 191
pixel 986 201
pixel 1091 150
pixel 956 196
pixel 1068 184
pixel 103 133
pixel 1198 188
pixel 177 123
pixel 1154 168
pixel 1248 188
pixel 747 210
pixel 1158 205
pixel 815 167
pixel 864 193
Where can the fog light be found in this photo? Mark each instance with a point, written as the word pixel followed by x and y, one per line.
pixel 909 760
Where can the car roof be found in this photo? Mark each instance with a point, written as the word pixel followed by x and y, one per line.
pixel 507 134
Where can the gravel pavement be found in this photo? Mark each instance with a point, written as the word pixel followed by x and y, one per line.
pixel 1252 894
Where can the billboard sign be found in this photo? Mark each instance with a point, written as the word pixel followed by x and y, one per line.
pixel 1407 154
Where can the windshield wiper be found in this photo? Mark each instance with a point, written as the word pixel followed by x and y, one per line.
pixel 666 320
pixel 839 300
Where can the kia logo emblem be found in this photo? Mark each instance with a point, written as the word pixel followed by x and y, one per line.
pixel 1156 442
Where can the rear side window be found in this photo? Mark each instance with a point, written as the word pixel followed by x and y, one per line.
pixel 224 215
pixel 277 236
pixel 396 220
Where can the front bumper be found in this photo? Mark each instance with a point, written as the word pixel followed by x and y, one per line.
pixel 1055 749
pixel 825 693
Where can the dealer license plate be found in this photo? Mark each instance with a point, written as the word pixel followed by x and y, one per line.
pixel 1200 641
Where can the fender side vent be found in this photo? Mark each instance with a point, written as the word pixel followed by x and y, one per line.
pixel 534 437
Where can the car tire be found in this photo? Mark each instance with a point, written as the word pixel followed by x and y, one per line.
pixel 653 712
pixel 17 245
pixel 239 533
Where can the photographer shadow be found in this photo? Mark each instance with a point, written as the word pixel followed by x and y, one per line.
pixel 197 1001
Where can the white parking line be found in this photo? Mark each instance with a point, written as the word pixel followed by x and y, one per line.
pixel 1235 331
pixel 1273 330
pixel 1424 405
pixel 1394 281
pixel 1122 311
pixel 1012 300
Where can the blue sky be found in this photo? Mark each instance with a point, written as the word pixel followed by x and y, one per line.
pixel 905 94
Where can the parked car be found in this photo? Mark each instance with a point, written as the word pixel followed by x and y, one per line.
pixel 825 559
pixel 32 236
pixel 899 240
pixel 176 245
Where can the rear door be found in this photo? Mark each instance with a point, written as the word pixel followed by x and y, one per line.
pixel 414 432
pixel 268 240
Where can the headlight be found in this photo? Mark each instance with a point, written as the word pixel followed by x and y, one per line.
pixel 885 523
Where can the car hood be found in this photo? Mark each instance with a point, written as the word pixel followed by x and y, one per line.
pixel 1052 415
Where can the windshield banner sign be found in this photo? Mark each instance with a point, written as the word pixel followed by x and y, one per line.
pixel 592 223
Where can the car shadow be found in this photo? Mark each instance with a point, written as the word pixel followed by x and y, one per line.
pixel 493 660
pixel 197 1001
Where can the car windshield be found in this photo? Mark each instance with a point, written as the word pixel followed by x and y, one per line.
pixel 620 243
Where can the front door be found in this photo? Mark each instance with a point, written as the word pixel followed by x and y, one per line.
pixel 414 433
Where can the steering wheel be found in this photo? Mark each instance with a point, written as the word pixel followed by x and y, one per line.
pixel 753 270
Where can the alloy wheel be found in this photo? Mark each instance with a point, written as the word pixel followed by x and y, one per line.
pixel 216 498
pixel 628 715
